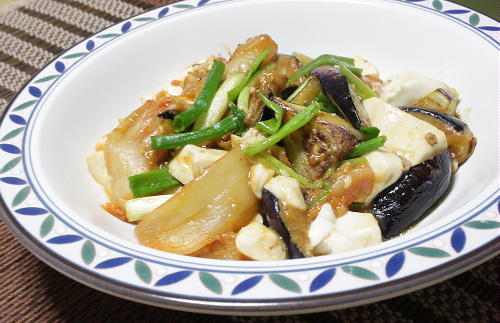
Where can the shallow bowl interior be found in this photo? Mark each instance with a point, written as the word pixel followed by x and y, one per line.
pixel 87 101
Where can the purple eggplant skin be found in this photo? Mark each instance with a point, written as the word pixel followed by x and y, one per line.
pixel 168 114
pixel 451 121
pixel 406 201
pixel 336 87
pixel 461 140
pixel 274 221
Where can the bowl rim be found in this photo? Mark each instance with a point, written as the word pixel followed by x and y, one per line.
pixel 249 307
pixel 252 307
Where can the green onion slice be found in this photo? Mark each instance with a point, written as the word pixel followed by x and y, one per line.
pixel 183 120
pixel 298 121
pixel 233 94
pixel 282 169
pixel 370 132
pixel 270 126
pixel 151 182
pixel 226 125
pixel 366 146
pixel 325 59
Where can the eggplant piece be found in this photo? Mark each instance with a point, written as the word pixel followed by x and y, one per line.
pixel 447 120
pixel 461 140
pixel 440 100
pixel 270 82
pixel 407 200
pixel 320 144
pixel 168 114
pixel 306 92
pixel 274 221
pixel 172 107
pixel 336 87
pixel 318 147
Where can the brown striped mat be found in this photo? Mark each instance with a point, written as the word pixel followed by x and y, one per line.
pixel 31 34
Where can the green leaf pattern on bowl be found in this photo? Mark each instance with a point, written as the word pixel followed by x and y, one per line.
pixel 88 252
pixel 285 283
pixel 143 271
pixel 46 226
pixel 210 282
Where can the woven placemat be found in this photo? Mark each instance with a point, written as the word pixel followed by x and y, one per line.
pixel 30 291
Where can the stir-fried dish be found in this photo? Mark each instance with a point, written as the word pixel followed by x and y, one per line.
pixel 270 156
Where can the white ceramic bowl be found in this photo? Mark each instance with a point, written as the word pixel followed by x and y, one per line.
pixel 52 204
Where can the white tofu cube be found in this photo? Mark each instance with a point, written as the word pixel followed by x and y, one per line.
pixel 287 190
pixel 408 137
pixel 191 161
pixel 259 175
pixel 387 169
pixel 322 225
pixel 260 242
pixel 252 136
pixel 352 231
pixel 368 68
pixel 407 88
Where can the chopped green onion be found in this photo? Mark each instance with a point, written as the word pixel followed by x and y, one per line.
pixel 324 60
pixel 327 186
pixel 244 96
pixel 151 182
pixel 202 102
pixel 330 171
pixel 219 103
pixel 354 161
pixel 357 206
pixel 366 147
pixel 233 94
pixel 239 117
pixel 300 88
pixel 282 169
pixel 370 132
pixel 363 90
pixel 270 126
pixel 244 99
pixel 226 125
pixel 347 60
pixel 298 121
pixel 324 194
pixel 327 104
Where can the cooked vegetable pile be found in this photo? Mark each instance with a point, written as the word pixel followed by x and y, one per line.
pixel 267 156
